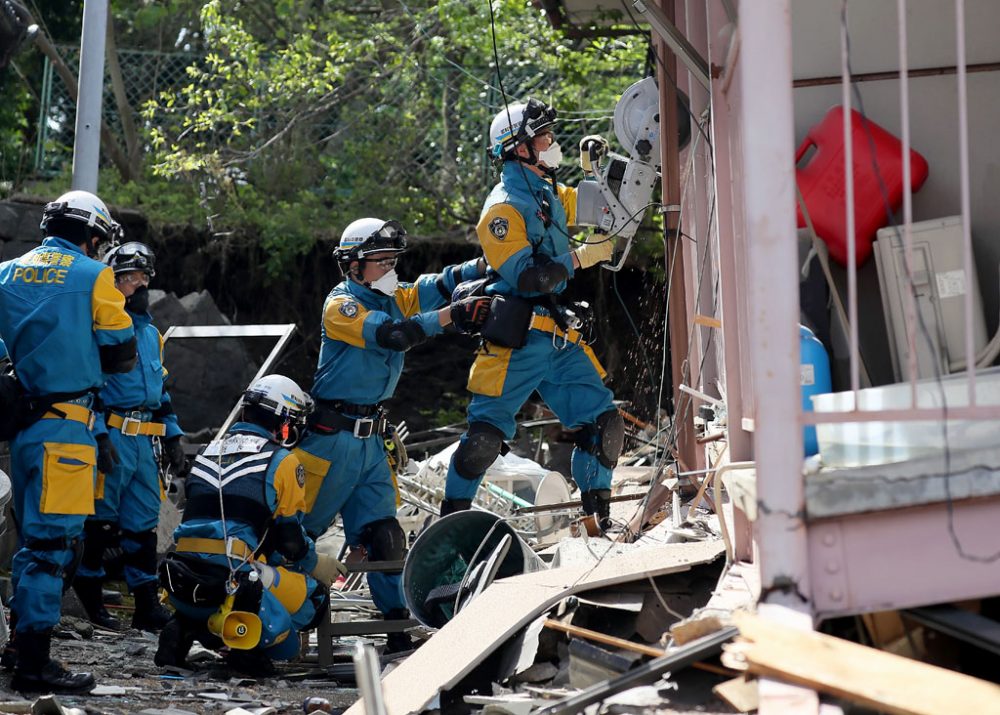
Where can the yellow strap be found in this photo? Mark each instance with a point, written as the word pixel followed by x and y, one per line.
pixel 198 545
pixel 547 324
pixel 134 427
pixel 77 413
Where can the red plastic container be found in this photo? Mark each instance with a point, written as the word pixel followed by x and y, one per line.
pixel 822 181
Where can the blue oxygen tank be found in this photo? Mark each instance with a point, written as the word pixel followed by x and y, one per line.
pixel 815 379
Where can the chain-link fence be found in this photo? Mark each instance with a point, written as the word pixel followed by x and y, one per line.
pixel 455 155
pixel 144 74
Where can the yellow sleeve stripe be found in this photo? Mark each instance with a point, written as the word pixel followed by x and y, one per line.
pixel 344 320
pixel 502 233
pixel 567 197
pixel 408 299
pixel 108 304
pixel 291 495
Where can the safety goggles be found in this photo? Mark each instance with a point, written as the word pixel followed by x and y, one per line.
pixel 386 264
pixel 537 117
pixel 135 278
pixel 132 256
pixel 390 237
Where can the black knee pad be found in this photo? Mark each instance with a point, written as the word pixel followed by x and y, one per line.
pixel 476 453
pixel 97 536
pixel 144 557
pixel 611 431
pixel 384 540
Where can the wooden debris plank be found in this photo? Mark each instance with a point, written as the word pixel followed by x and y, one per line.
pixel 739 693
pixel 511 604
pixel 860 674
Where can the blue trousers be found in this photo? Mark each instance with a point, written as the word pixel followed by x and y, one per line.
pixel 53 472
pixel 567 376
pixel 350 476
pixel 131 498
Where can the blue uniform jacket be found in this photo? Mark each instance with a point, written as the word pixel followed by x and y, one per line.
pixel 144 388
pixel 352 366
pixel 514 235
pixel 283 490
pixel 57 306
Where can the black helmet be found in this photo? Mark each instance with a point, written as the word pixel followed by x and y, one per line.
pixel 131 256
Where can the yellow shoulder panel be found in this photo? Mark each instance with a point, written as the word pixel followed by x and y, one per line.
pixel 108 304
pixel 502 233
pixel 344 320
pixel 289 483
pixel 567 197
pixel 408 299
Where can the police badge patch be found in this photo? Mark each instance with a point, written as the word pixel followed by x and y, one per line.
pixel 349 309
pixel 300 475
pixel 498 227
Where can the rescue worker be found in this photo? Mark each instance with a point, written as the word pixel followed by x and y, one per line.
pixel 244 514
pixel 533 343
pixel 370 320
pixel 137 412
pixel 65 325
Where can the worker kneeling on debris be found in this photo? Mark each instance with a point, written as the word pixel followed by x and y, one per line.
pixel 242 519
pixel 533 340
pixel 370 320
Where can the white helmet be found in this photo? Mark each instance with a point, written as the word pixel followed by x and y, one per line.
pixel 370 235
pixel 280 395
pixel 517 124
pixel 83 206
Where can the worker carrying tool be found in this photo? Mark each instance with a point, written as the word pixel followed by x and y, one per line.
pixel 533 339
pixel 370 321
pixel 140 419
pixel 242 517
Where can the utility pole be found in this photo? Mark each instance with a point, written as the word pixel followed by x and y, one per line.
pixel 87 141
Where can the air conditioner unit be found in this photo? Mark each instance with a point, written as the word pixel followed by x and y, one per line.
pixel 940 283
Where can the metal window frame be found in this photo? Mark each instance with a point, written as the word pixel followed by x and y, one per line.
pixel 282 331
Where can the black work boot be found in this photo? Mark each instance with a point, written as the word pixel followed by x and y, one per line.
pixel 398 642
pixel 150 615
pixel 88 590
pixel 254 663
pixel 450 506
pixel 37 672
pixel 598 503
pixel 8 658
pixel 176 640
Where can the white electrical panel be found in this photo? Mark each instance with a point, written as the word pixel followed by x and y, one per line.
pixel 939 284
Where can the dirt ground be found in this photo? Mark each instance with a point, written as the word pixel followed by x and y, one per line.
pixel 123 664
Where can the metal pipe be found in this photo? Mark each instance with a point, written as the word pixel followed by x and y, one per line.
pixel 87 139
pixel 963 175
pixel 367 671
pixel 768 180
pixel 852 249
pixel 904 114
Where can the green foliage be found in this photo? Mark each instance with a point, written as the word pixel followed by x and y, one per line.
pixel 374 110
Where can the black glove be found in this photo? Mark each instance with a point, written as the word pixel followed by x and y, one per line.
pixel 107 455
pixel 469 314
pixel 174 453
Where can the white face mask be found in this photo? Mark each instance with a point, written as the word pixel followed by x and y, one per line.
pixel 551 157
pixel 386 285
